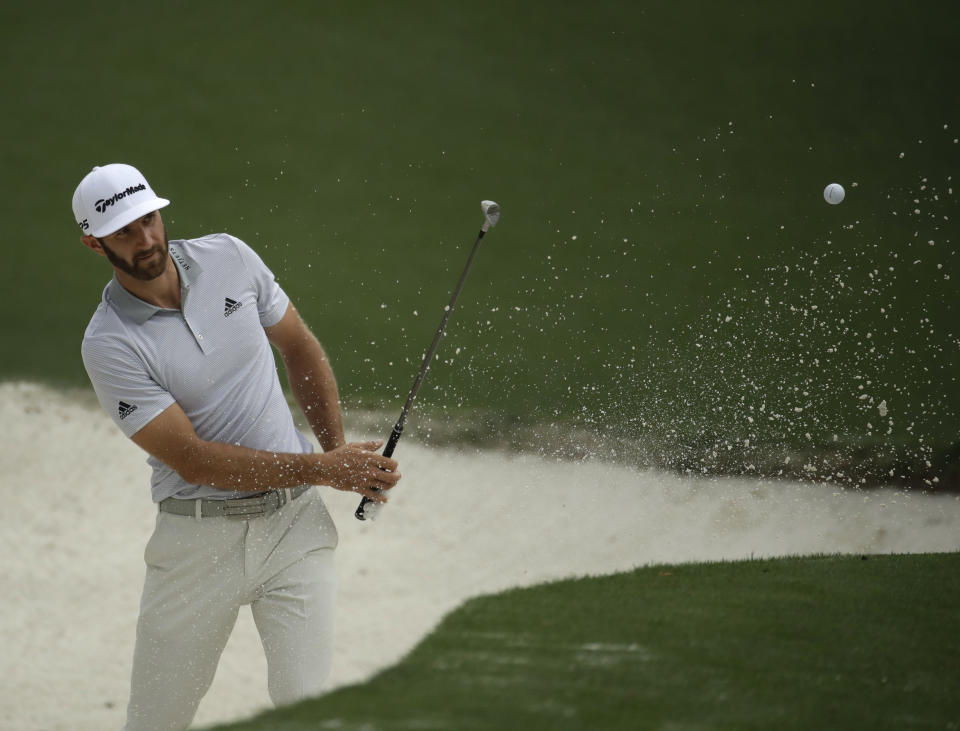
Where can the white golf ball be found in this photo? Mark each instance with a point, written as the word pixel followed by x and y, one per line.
pixel 833 193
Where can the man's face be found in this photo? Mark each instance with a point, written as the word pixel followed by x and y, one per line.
pixel 139 248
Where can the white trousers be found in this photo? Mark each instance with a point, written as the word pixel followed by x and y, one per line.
pixel 199 573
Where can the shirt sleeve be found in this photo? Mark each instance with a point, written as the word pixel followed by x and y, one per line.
pixel 124 388
pixel 272 301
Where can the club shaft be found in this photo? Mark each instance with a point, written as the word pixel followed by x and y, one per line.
pixel 408 406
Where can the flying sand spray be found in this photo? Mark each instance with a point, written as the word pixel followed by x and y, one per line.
pixel 491 213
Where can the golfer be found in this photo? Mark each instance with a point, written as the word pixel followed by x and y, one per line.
pixel 179 354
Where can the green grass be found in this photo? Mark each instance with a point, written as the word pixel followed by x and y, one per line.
pixel 802 643
pixel 660 167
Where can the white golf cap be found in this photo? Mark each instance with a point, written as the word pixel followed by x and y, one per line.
pixel 110 197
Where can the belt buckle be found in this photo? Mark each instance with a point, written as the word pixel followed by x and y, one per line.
pixel 245 508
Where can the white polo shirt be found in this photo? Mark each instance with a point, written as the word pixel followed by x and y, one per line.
pixel 212 357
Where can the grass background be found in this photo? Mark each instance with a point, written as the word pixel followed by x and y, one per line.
pixel 666 276
pixel 827 642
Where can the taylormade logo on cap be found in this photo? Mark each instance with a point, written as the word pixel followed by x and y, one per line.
pixel 101 205
pixel 111 197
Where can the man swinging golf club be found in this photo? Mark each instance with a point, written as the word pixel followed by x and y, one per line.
pixel 179 354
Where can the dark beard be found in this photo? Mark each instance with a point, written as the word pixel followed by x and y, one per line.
pixel 145 272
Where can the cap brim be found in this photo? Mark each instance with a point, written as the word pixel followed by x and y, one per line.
pixel 129 216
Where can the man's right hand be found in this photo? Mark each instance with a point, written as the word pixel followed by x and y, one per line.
pixel 356 467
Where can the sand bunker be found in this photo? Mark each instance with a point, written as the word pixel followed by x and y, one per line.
pixel 78 513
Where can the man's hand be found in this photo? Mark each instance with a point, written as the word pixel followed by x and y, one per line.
pixel 356 467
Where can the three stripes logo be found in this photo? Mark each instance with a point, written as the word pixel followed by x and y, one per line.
pixel 126 409
pixel 230 306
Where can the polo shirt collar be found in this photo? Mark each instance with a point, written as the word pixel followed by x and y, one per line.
pixel 135 308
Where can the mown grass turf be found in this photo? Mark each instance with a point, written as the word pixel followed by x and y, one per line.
pixel 803 643
pixel 665 267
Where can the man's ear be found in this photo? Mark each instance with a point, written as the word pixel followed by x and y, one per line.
pixel 92 243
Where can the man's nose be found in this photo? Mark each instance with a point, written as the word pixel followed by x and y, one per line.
pixel 146 236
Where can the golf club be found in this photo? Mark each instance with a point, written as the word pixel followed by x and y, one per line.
pixel 491 213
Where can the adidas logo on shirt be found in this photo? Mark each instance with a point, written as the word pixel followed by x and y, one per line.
pixel 126 409
pixel 230 306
